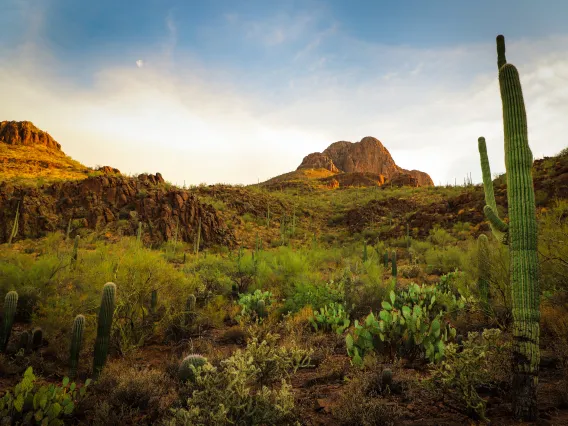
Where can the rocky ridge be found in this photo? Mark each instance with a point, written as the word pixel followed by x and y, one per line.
pixel 367 156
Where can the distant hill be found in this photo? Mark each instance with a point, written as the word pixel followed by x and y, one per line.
pixel 363 163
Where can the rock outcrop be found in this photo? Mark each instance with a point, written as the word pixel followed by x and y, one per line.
pixel 101 202
pixel 367 156
pixel 25 133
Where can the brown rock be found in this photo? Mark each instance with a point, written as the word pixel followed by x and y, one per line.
pixel 25 133
pixel 367 156
pixel 107 170
pixel 97 201
pixel 317 160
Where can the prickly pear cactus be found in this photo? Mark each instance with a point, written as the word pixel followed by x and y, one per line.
pixel 76 340
pixel 185 372
pixel 102 341
pixel 10 306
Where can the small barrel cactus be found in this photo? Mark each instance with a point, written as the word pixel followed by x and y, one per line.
pixel 261 308
pixel 102 341
pixel 185 372
pixel 10 305
pixel 76 340
pixel 386 378
pixel 37 338
pixel 25 341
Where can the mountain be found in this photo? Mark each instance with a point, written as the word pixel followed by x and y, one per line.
pixel 27 152
pixel 367 156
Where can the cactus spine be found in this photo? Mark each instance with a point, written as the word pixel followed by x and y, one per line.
pixel 15 226
pixel 10 305
pixel 484 272
pixel 521 237
pixel 104 327
pixel 394 270
pixel 76 340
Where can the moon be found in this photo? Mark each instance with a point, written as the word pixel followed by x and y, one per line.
pixel 139 63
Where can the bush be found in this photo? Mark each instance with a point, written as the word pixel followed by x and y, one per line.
pixel 409 271
pixel 130 390
pixel 331 318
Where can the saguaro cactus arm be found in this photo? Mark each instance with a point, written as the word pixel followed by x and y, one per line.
pixel 497 225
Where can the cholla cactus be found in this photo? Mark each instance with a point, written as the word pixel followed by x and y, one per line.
pixel 10 306
pixel 76 340
pixel 102 341
pixel 185 372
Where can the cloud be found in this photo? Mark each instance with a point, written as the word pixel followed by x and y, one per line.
pixel 196 122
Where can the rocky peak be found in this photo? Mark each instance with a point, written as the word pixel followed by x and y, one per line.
pixel 366 156
pixel 25 133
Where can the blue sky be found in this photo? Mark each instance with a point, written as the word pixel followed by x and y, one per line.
pixel 235 91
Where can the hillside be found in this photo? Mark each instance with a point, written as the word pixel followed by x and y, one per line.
pixel 28 153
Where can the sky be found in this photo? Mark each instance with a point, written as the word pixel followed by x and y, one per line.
pixel 236 91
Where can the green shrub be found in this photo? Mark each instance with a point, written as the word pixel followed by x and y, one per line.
pixel 316 296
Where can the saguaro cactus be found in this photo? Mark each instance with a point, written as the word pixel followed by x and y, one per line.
pixel 37 338
pixel 521 236
pixel 190 310
pixel 153 301
pixel 10 306
pixel 386 259
pixel 139 234
pixel 15 225
pixel 76 340
pixel 104 327
pixel 75 252
pixel 394 270
pixel 484 271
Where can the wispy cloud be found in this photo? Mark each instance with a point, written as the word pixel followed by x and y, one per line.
pixel 199 123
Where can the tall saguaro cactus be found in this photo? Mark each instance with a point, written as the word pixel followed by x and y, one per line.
pixel 76 339
pixel 104 327
pixel 521 236
pixel 10 305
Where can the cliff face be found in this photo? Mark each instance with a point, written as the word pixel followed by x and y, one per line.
pixel 25 133
pixel 102 201
pixel 367 156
